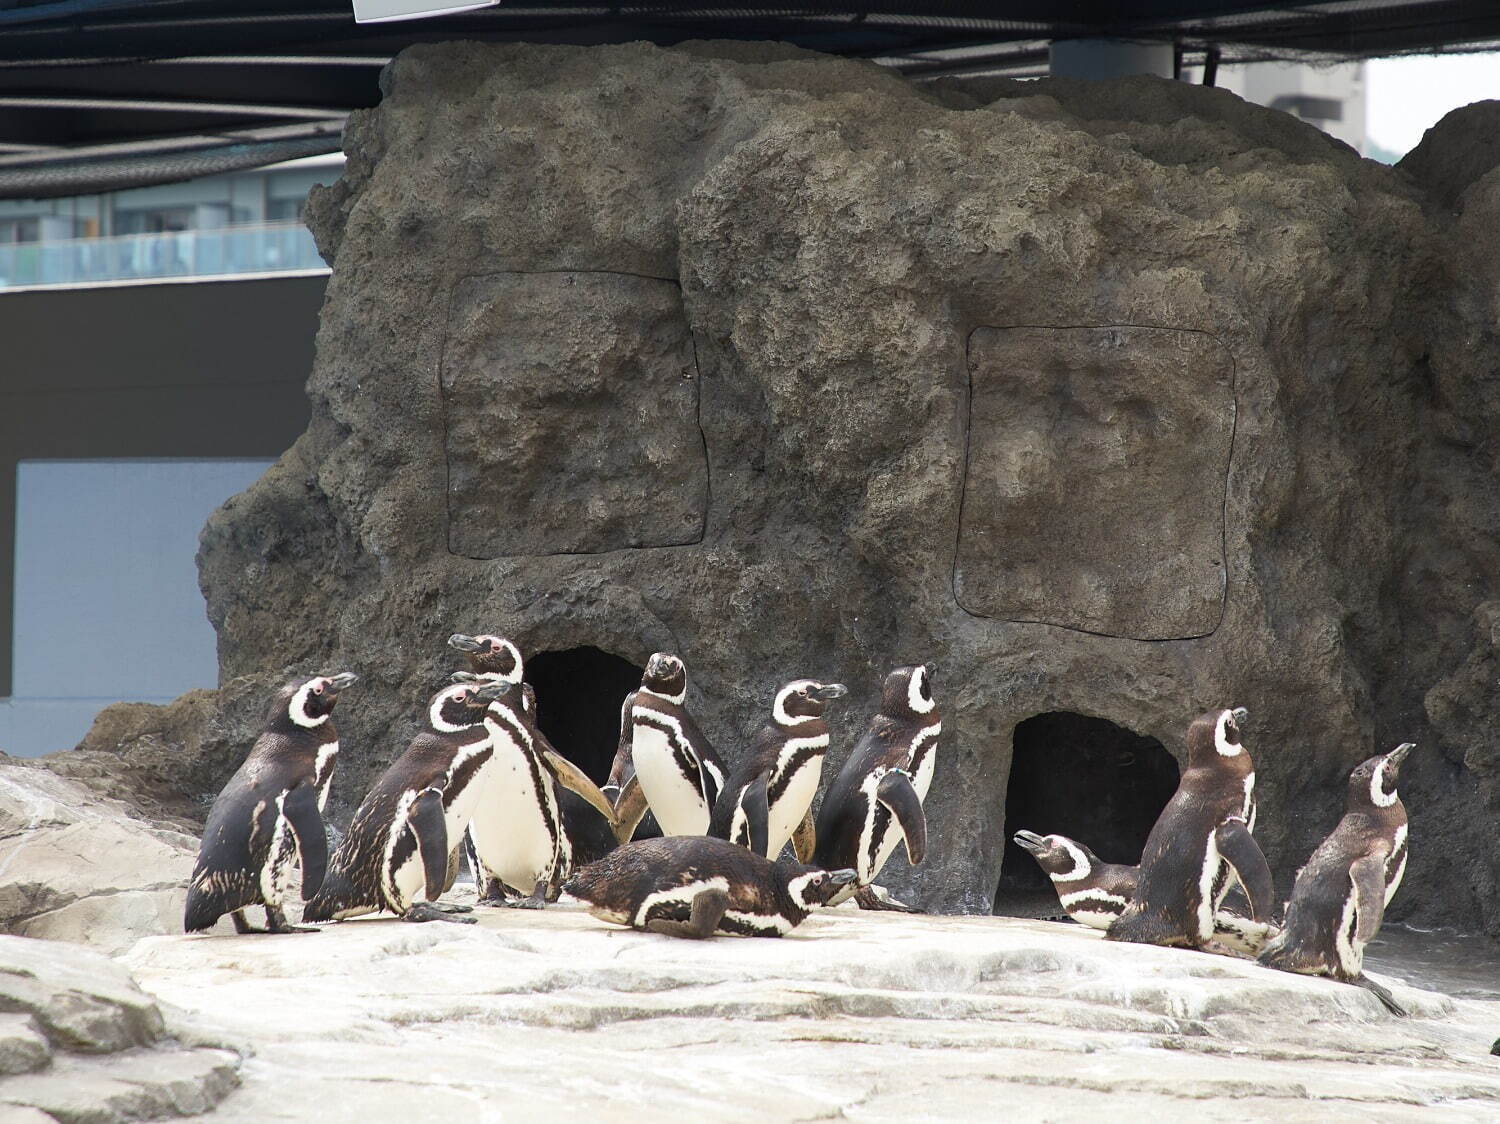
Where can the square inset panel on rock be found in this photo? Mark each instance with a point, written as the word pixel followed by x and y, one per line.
pixel 1097 470
pixel 571 405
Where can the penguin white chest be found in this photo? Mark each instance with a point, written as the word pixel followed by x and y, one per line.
pixel 798 791
pixel 514 821
pixel 676 800
pixel 460 805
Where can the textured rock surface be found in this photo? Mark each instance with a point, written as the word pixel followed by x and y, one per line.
pixel 82 1043
pixel 841 241
pixel 854 1016
pixel 76 867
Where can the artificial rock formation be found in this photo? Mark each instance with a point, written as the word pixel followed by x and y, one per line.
pixel 1118 399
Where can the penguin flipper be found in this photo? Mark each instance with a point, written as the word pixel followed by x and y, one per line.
pixel 570 776
pixel 805 838
pixel 425 818
pixel 300 807
pixel 895 791
pixel 757 808
pixel 708 908
pixel 1368 876
pixel 1243 853
pixel 630 810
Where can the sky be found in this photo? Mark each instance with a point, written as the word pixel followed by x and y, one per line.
pixel 1407 96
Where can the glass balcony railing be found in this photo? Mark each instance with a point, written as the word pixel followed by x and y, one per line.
pixel 272 248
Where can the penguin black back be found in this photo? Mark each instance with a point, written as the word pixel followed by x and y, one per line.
pixel 1201 841
pixel 270 810
pixel 1339 898
pixel 878 795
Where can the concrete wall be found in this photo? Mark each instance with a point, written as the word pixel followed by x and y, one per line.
pixel 126 383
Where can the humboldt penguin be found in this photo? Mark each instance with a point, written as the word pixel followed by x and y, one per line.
pixel 694 886
pixel 271 810
pixel 1340 896
pixel 664 761
pixel 518 827
pixel 488 657
pixel 769 795
pixel 1094 893
pixel 395 855
pixel 876 800
pixel 1200 842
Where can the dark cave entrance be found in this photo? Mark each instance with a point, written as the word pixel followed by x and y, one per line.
pixel 1085 778
pixel 578 697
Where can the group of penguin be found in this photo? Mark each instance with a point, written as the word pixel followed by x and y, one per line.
pixel 1202 846
pixel 483 781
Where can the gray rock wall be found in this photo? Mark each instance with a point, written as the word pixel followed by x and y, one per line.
pixel 1127 399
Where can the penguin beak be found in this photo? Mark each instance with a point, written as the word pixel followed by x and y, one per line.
pixel 464 643
pixel 490 691
pixel 341 681
pixel 841 877
pixel 1030 841
pixel 1240 714
pixel 932 670
pixel 830 691
pixel 1398 755
pixel 464 677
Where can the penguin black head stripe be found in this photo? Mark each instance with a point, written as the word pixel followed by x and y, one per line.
pixel 463 705
pixel 489 655
pixel 1373 782
pixel 1064 860
pixel 1215 735
pixel 306 704
pixel 803 700
pixel 666 676
pixel 908 691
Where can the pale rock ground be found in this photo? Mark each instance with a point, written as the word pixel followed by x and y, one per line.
pixel 552 1015
pixel 77 867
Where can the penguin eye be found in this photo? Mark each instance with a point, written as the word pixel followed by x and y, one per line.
pixel 318 689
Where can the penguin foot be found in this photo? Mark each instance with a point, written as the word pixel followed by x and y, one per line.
pixel 450 907
pixel 242 924
pixel 708 909
pixel 431 911
pixel 1220 949
pixel 525 903
pixel 1382 993
pixel 876 897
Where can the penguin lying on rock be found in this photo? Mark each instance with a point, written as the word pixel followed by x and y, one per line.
pixel 1094 893
pixel 271 810
pixel 1200 844
pixel 876 800
pixel 395 856
pixel 694 886
pixel 769 795
pixel 1340 896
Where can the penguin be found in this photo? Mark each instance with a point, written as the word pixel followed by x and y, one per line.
pixel 271 810
pixel 694 886
pixel 664 761
pixel 1094 893
pixel 876 800
pixel 395 855
pixel 1340 896
pixel 489 657
pixel 768 796
pixel 518 828
pixel 1200 842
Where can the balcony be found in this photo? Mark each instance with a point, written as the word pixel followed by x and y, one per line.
pixel 221 252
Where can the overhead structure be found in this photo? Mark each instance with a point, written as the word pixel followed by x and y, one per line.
pixel 102 85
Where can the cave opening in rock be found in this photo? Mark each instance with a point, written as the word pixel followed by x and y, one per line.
pixel 578 697
pixel 1085 778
